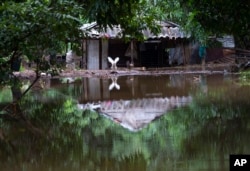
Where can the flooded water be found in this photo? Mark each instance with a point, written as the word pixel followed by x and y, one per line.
pixel 133 123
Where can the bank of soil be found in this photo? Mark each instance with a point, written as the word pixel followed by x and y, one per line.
pixel 192 69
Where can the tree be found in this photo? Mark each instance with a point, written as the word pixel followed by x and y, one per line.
pixel 41 27
pixel 217 17
pixel 36 28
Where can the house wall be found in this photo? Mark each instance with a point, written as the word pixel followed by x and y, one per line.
pixel 104 63
pixel 187 52
pixel 154 54
pixel 212 54
pixel 180 52
pixel 97 53
pixel 93 54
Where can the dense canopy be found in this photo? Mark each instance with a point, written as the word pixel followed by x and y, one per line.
pixel 218 17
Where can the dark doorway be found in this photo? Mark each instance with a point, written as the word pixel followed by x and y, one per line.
pixel 153 54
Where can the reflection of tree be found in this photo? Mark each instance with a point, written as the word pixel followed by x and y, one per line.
pixel 210 129
pixel 84 140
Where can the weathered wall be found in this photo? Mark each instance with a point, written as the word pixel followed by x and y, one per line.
pixel 104 54
pixel 92 54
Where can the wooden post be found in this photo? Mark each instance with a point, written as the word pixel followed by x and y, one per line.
pixel 132 53
pixel 86 52
pixel 100 53
pixel 82 48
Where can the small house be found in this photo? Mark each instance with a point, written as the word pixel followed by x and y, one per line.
pixel 168 47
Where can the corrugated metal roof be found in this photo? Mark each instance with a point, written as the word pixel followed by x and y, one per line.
pixel 227 41
pixel 168 30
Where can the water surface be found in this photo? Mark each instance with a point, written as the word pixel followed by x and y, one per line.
pixel 173 122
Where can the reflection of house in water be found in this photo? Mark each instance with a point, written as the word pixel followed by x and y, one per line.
pixel 139 101
pixel 137 113
pixel 131 87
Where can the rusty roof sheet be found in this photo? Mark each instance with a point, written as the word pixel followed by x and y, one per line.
pixel 168 30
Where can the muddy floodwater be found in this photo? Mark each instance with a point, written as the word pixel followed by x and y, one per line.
pixel 179 122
